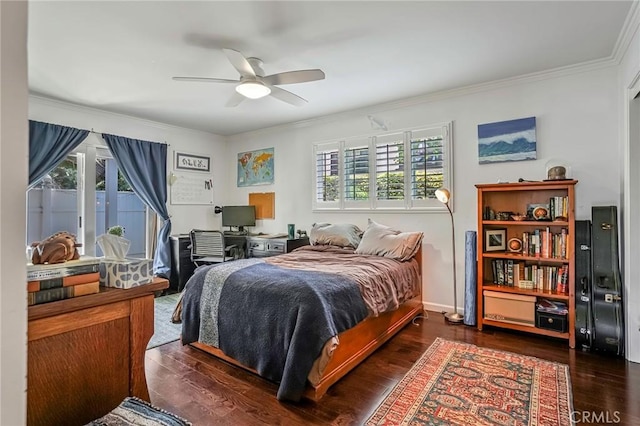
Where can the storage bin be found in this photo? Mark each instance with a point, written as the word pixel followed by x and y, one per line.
pixel 125 273
pixel 509 307
pixel 549 321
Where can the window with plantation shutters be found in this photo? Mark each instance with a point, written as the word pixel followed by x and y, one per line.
pixel 356 172
pixel 427 165
pixel 390 169
pixel 327 189
pixel 396 170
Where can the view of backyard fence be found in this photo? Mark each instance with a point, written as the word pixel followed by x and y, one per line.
pixel 53 210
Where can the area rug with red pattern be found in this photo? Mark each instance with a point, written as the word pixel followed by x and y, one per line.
pixel 461 384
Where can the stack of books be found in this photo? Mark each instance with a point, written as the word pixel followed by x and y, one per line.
pixel 552 306
pixel 48 283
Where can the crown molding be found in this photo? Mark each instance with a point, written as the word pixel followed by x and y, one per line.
pixel 627 33
pixel 69 106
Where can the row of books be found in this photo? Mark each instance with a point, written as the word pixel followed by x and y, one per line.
pixel 49 283
pixel 545 243
pixel 559 207
pixel 517 274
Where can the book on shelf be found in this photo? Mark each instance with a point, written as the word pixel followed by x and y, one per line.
pixel 509 273
pixel 500 271
pixel 67 281
pixel 536 242
pixel 84 265
pixel 551 306
pixel 61 293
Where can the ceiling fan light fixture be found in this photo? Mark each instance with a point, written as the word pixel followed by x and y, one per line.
pixel 253 89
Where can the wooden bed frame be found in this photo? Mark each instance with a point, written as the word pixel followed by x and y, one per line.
pixel 356 343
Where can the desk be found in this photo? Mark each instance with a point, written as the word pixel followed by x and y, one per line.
pixel 86 354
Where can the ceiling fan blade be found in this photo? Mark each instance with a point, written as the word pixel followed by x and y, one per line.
pixel 291 77
pixel 287 96
pixel 234 100
pixel 205 79
pixel 240 63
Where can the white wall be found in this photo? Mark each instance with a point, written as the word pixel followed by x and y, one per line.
pixel 629 86
pixel 577 122
pixel 183 217
pixel 13 186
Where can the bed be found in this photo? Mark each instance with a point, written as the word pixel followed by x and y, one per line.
pixel 306 318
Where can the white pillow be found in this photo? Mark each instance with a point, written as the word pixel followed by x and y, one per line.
pixel 339 234
pixel 380 240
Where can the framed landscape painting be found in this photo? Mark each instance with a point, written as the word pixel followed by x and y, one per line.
pixel 255 167
pixel 513 140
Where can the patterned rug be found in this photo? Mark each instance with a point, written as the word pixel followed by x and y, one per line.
pixel 136 412
pixel 460 384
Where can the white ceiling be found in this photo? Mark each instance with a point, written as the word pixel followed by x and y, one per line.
pixel 120 55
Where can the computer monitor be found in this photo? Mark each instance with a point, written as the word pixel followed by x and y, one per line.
pixel 238 216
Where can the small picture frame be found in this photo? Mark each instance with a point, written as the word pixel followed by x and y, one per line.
pixel 495 240
pixel 192 162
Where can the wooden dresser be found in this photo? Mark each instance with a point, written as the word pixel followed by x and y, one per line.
pixel 86 354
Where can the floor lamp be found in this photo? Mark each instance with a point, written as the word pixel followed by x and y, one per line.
pixel 443 195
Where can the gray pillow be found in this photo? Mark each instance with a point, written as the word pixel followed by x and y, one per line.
pixel 339 234
pixel 380 240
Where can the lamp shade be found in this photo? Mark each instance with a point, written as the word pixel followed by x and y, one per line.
pixel 443 195
pixel 253 89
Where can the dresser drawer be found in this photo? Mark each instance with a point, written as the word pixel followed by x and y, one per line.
pixel 277 246
pixel 257 245
pixel 263 247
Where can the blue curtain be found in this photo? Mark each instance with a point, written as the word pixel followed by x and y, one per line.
pixel 144 166
pixel 49 144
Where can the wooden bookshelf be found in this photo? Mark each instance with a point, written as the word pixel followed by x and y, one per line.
pixel 518 198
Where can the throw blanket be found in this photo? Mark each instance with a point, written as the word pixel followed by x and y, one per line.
pixel 272 319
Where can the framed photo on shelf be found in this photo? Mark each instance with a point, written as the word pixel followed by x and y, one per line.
pixel 495 240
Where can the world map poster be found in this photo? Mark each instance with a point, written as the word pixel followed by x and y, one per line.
pixel 255 167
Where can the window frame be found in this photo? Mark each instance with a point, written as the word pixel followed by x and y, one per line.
pixel 408 203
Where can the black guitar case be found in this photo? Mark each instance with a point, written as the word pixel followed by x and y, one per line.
pixel 608 335
pixel 584 287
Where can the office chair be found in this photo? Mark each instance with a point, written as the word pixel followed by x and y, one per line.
pixel 208 247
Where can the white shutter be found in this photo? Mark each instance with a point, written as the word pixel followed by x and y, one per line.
pixel 327 176
pixel 430 164
pixel 390 170
pixel 356 166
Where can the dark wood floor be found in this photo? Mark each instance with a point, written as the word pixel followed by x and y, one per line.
pixel 207 391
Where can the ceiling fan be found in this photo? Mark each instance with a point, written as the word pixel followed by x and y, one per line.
pixel 253 84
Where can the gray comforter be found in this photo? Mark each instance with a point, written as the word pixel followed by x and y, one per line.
pixel 272 319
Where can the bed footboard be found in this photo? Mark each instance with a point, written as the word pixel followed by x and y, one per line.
pixel 359 342
pixel 356 344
